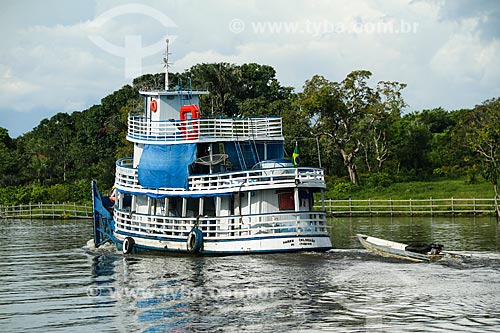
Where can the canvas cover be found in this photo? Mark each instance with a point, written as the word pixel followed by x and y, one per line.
pixel 166 166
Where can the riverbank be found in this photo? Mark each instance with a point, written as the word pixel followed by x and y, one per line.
pixel 436 189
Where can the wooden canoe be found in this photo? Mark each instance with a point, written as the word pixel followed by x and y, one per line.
pixel 392 249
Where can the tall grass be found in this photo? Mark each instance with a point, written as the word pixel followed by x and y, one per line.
pixel 438 189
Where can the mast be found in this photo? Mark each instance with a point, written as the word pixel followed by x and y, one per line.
pixel 166 63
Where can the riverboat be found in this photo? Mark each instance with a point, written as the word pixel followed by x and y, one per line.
pixel 203 185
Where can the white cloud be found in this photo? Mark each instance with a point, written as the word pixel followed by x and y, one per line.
pixel 48 62
pixel 12 86
pixel 468 64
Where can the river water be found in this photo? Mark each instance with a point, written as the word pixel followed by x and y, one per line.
pixel 50 281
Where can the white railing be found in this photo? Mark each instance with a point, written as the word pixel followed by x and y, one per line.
pixel 276 177
pixel 46 211
pixel 428 207
pixel 142 130
pixel 127 178
pixel 223 227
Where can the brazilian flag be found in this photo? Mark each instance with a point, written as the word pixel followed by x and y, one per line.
pixel 296 156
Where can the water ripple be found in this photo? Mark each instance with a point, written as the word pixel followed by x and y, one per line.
pixel 52 281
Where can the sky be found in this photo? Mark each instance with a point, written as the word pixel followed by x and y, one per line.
pixel 64 56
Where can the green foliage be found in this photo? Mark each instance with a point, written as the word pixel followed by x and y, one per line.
pixel 79 192
pixel 60 193
pixel 472 175
pixel 8 158
pixel 479 130
pixel 8 195
pixel 41 193
pixel 379 180
pixel 354 118
pixel 437 189
pixel 343 188
pixel 340 188
pixel 22 195
pixel 412 145
pixel 238 91
pixel 349 127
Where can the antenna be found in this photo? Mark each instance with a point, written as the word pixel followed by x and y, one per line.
pixel 166 63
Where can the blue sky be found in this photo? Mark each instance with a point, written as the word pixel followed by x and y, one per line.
pixel 64 56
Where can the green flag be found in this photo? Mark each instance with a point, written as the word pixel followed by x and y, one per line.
pixel 296 156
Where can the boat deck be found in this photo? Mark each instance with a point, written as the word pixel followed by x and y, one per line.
pixel 143 130
pixel 259 179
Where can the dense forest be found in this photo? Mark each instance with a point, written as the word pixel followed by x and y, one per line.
pixel 356 131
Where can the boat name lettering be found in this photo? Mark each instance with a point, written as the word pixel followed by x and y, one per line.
pixel 309 240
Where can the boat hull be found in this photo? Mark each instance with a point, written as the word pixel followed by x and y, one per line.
pixel 256 233
pixel 392 249
pixel 278 244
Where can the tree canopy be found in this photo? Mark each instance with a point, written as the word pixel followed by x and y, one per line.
pixel 358 132
pixel 479 130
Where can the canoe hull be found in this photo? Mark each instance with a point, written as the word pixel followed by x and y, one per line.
pixel 392 249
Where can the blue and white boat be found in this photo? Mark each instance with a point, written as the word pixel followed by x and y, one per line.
pixel 209 185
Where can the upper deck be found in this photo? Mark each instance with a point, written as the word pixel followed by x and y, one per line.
pixel 174 117
pixel 144 130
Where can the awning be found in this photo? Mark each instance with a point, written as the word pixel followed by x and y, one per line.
pixel 166 166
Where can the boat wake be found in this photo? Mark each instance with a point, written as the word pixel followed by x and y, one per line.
pixel 358 254
pixel 471 260
pixel 454 259
pixel 107 248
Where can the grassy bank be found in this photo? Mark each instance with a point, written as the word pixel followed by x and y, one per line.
pixel 437 189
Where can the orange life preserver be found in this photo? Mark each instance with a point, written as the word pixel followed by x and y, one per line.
pixel 189 127
pixel 154 105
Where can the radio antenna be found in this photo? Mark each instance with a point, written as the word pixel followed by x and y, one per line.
pixel 166 63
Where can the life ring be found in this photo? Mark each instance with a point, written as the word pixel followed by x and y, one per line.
pixel 189 115
pixel 154 105
pixel 128 245
pixel 195 240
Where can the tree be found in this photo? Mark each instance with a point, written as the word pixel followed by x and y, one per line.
pixel 445 155
pixel 152 81
pixel 8 157
pixel 297 129
pixel 339 107
pixel 480 130
pixel 221 80
pixel 383 115
pixel 259 93
pixel 412 141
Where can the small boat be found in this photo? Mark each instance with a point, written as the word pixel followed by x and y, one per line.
pixel 421 252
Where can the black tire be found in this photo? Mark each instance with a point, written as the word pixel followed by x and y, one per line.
pixel 128 245
pixel 195 241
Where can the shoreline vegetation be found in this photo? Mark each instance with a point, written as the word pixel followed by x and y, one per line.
pixel 362 134
pixel 436 189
